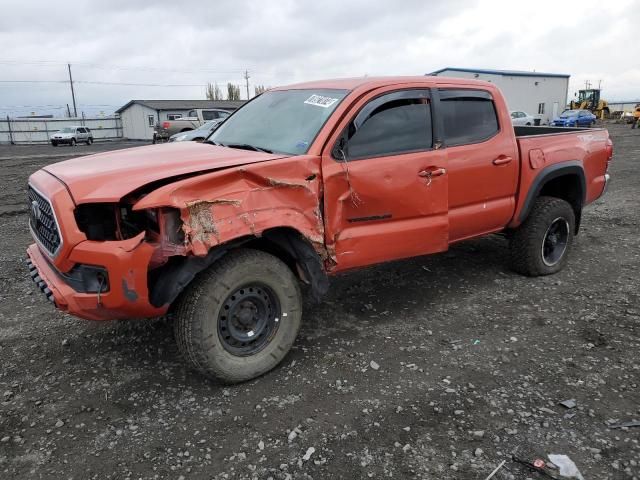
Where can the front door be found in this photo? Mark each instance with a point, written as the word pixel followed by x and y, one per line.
pixel 385 183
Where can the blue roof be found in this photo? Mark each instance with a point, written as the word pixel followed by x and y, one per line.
pixel 511 73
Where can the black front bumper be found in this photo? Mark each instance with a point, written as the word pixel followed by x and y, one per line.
pixel 44 288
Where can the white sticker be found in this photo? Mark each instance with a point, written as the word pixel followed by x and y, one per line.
pixel 250 333
pixel 284 314
pixel 320 101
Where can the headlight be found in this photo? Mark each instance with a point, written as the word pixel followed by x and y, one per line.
pixel 180 138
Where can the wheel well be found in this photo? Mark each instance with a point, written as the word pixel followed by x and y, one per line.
pixel 287 244
pixel 296 251
pixel 568 188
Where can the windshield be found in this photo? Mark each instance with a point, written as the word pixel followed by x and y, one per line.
pixel 284 121
pixel 569 113
pixel 68 130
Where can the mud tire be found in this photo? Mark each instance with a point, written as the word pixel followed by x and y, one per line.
pixel 198 309
pixel 526 249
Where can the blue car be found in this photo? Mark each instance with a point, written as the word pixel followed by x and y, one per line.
pixel 574 118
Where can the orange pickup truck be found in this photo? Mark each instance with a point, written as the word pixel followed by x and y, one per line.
pixel 301 183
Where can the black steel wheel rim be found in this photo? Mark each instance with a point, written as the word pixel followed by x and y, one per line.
pixel 249 319
pixel 555 241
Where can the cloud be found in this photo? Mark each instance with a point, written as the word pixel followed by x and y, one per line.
pixel 280 42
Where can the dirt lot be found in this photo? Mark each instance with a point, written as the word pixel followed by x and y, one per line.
pixel 473 361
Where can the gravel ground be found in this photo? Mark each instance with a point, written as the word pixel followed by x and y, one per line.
pixel 437 367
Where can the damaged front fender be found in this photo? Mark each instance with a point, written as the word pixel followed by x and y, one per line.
pixel 224 205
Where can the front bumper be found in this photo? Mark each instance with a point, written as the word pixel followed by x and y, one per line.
pixel 126 263
pixel 60 140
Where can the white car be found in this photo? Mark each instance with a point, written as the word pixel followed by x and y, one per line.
pixel 72 135
pixel 521 118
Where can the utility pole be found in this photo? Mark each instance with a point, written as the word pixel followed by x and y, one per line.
pixel 73 95
pixel 246 77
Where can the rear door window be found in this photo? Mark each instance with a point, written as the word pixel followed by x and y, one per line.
pixel 395 123
pixel 468 116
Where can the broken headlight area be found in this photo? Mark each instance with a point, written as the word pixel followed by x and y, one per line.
pixel 112 221
pixel 87 278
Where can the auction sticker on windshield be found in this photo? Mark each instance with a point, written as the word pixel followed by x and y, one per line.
pixel 320 101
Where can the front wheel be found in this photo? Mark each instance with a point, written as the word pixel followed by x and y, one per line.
pixel 540 245
pixel 239 318
pixel 55 144
pixel 73 142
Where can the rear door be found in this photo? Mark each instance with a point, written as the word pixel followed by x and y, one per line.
pixel 385 181
pixel 483 160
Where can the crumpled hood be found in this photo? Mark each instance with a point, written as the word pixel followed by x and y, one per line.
pixel 109 176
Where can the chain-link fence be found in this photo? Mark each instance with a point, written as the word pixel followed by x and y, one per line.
pixel 37 130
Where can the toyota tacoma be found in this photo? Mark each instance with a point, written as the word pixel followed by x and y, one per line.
pixel 301 183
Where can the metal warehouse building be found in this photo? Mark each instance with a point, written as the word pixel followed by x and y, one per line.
pixel 140 116
pixel 543 95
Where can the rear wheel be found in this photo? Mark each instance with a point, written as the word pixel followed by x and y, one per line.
pixel 89 141
pixel 239 318
pixel 541 244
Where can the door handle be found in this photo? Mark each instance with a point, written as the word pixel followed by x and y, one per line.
pixel 436 172
pixel 502 160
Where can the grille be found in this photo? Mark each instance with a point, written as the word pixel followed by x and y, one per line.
pixel 43 223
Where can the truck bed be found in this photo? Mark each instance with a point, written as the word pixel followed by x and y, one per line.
pixel 543 147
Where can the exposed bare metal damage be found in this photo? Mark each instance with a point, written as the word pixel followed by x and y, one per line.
pixel 246 200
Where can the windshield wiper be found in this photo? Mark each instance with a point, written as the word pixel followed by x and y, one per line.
pixel 246 146
pixel 211 142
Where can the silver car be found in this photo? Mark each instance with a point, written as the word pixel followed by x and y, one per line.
pixel 72 136
pixel 197 135
pixel 519 117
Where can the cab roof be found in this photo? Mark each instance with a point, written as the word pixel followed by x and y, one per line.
pixel 370 83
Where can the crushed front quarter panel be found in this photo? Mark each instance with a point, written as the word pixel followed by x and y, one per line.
pixel 247 200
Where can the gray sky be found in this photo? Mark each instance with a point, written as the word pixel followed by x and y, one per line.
pixel 178 42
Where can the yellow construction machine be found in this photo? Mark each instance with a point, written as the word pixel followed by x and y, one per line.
pixel 589 99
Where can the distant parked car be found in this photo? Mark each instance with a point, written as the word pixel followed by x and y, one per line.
pixel 197 117
pixel 574 118
pixel 521 118
pixel 71 136
pixel 197 135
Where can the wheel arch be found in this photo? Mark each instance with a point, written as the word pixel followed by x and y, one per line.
pixel 564 180
pixel 286 243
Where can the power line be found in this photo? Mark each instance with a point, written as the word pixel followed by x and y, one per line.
pixel 96 82
pixel 50 63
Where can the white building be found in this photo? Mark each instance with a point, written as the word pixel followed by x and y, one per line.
pixel 140 116
pixel 543 95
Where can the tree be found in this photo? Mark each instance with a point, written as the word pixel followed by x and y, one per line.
pixel 233 92
pixel 259 89
pixel 213 92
